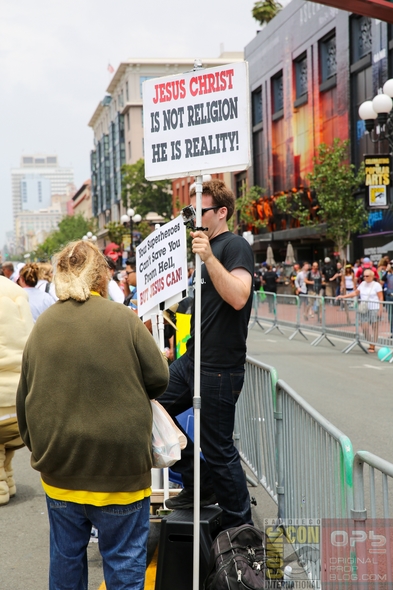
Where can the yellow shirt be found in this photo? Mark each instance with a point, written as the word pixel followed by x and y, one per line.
pixel 95 498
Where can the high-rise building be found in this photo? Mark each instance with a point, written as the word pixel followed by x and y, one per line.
pixel 34 183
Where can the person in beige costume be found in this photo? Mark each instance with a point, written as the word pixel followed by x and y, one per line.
pixel 16 323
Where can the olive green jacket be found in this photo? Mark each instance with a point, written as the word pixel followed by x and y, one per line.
pixel 89 370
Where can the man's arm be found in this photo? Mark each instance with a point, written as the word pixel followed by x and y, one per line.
pixel 234 287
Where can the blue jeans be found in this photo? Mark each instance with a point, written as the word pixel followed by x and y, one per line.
pixel 221 470
pixel 122 538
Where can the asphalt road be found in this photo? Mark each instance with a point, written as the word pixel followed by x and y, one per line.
pixel 354 391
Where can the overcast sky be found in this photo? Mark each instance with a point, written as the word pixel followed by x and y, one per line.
pixel 54 58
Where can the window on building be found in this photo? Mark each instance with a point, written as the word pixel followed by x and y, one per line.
pixel 129 150
pixel 40 192
pixel 39 161
pixel 327 55
pixel 361 38
pixel 141 80
pixel 28 160
pixel 257 113
pixel 301 78
pixel 127 92
pixel 257 140
pixel 278 95
pixel 51 160
pixel 128 121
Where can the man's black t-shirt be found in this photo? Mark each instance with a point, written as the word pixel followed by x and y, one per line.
pixel 270 278
pixel 223 329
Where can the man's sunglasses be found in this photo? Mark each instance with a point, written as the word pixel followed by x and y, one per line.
pixel 203 211
pixel 129 272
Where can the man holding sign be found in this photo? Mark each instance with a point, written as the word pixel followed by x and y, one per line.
pixel 226 283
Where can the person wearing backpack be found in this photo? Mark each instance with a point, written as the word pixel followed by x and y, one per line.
pixel 366 263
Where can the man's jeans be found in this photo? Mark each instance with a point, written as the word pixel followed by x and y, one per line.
pixel 221 471
pixel 122 538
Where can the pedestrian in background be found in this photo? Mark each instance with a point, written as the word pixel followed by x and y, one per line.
pixel 89 371
pixel 270 280
pixel 314 287
pixel 387 280
pixel 16 323
pixel 130 286
pixel 45 277
pixel 328 272
pixel 39 300
pixel 301 287
pixel 336 279
pixel 114 291
pixel 294 273
pixel 348 280
pixel 370 306
pixel 8 270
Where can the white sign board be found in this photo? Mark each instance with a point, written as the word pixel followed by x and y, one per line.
pixel 197 122
pixel 161 263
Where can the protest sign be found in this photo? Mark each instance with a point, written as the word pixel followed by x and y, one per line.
pixel 161 263
pixel 197 122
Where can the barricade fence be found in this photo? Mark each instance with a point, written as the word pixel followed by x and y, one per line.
pixel 308 467
pixel 254 423
pixel 364 322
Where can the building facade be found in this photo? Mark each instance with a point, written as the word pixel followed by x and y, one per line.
pixel 310 69
pixel 32 227
pixel 82 202
pixel 34 183
pixel 117 124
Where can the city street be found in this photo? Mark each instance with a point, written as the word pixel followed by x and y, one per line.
pixel 353 391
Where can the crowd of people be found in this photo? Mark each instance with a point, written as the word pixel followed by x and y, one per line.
pixel 371 284
pixel 79 371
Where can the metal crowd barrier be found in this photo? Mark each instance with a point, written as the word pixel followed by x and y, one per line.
pixel 328 317
pixel 254 423
pixel 314 470
pixel 308 468
pixel 377 466
pixel 372 525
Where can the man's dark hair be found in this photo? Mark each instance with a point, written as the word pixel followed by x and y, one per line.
pixel 131 262
pixel 222 196
pixel 110 263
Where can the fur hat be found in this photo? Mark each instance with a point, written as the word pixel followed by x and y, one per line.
pixel 78 269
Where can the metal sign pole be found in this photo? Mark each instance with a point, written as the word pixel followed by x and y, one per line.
pixel 197 394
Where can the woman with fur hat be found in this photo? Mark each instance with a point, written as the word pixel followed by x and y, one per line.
pixel 89 429
pixel 16 323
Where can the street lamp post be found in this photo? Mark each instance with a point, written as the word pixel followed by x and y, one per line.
pixel 378 116
pixel 89 237
pixel 130 218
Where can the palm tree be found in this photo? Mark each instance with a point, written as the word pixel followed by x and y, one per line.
pixel 264 11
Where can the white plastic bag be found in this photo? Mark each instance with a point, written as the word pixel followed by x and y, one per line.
pixel 167 438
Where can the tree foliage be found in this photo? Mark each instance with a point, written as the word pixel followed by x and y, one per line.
pixel 116 231
pixel 246 206
pixel 264 11
pixel 70 228
pixel 142 195
pixel 335 182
